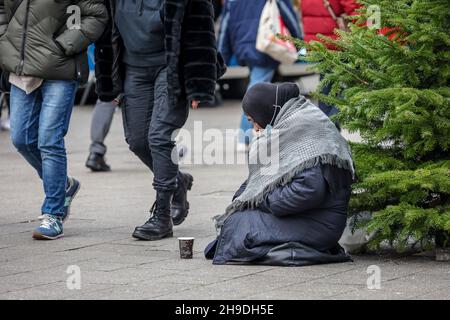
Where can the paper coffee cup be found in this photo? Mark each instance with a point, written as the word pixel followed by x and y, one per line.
pixel 186 247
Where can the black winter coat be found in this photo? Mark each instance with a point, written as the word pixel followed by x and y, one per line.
pixel 193 62
pixel 297 224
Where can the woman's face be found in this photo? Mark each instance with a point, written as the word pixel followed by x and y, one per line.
pixel 256 126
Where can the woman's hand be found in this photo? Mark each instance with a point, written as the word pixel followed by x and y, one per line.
pixel 194 104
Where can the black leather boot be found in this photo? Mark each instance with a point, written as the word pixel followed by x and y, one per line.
pixel 159 225
pixel 96 162
pixel 180 205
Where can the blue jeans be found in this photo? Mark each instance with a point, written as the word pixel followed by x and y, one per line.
pixel 39 123
pixel 257 75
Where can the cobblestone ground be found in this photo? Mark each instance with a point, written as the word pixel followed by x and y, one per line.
pixel 114 266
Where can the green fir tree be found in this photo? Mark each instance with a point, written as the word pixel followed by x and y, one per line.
pixel 390 83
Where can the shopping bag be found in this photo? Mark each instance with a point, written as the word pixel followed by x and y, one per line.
pixel 270 26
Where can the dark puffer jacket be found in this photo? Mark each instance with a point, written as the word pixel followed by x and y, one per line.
pixel 193 63
pixel 297 224
pixel 38 42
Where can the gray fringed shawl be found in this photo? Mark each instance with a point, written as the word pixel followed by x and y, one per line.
pixel 301 138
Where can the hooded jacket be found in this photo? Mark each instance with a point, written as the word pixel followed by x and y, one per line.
pixel 39 40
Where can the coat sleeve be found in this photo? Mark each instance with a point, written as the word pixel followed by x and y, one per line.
pixel 94 18
pixel 305 192
pixel 290 18
pixel 3 18
pixel 224 35
pixel 199 51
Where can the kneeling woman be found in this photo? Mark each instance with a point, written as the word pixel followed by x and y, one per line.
pixel 293 210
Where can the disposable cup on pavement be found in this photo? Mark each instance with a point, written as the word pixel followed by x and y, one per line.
pixel 186 247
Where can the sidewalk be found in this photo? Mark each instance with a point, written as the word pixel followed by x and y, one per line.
pixel 114 266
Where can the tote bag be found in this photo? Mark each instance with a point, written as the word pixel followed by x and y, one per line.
pixel 271 24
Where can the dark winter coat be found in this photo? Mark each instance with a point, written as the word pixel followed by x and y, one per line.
pixel 38 42
pixel 239 29
pixel 297 224
pixel 193 63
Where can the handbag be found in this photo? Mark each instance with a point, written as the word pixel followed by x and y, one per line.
pixel 5 86
pixel 341 20
pixel 270 26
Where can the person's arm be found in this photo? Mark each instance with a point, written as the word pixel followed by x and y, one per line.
pixel 94 18
pixel 199 52
pixel 3 18
pixel 306 191
pixel 290 18
pixel 224 34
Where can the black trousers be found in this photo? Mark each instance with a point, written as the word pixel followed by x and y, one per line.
pixel 149 122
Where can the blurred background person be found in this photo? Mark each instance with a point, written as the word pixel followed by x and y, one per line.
pixel 237 38
pixel 319 17
pixel 102 118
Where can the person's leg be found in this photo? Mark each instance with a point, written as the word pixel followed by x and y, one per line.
pixel 257 75
pixel 101 123
pixel 25 111
pixel 165 120
pixel 57 104
pixel 5 122
pixel 137 112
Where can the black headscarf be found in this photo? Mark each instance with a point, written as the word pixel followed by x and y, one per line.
pixel 262 103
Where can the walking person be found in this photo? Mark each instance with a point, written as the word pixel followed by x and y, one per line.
pixel 238 33
pixel 47 61
pixel 164 60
